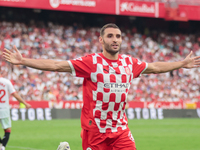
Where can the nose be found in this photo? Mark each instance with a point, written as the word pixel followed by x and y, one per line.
pixel 115 39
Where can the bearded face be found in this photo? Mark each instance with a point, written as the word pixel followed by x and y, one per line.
pixel 111 40
pixel 112 48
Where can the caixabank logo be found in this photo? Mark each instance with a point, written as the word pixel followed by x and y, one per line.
pixel 84 3
pixel 135 7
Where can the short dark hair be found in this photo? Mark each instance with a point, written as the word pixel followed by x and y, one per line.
pixel 109 25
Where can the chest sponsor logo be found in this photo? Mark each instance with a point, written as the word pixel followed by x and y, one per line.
pixel 117 87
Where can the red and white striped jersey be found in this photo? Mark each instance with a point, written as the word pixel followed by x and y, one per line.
pixel 105 88
pixel 6 88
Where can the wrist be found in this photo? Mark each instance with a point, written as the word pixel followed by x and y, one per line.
pixel 184 64
pixel 22 62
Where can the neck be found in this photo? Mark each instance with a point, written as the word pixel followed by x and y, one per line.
pixel 110 56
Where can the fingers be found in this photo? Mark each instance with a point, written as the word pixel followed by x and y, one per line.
pixel 15 48
pixel 6 54
pixel 196 66
pixel 7 58
pixel 7 51
pixel 190 54
pixel 197 57
pixel 197 62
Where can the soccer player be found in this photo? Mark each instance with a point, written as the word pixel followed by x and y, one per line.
pixel 6 88
pixel 107 78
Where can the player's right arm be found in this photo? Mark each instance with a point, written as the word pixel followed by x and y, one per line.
pixel 41 64
pixel 18 97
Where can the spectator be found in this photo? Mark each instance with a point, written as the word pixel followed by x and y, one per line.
pixel 65 42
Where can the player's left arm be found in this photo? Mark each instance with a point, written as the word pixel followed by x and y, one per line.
pixel 19 98
pixel 42 64
pixel 162 67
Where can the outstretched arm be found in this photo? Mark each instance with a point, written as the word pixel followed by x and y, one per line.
pixel 41 64
pixel 162 67
pixel 21 100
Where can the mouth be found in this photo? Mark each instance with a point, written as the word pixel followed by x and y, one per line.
pixel 115 46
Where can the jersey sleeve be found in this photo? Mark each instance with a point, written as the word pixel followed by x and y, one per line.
pixel 82 66
pixel 11 89
pixel 138 67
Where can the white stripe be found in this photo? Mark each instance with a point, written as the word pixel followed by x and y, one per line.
pixel 117 7
pixel 156 9
pixel 28 148
pixel 144 68
pixel 72 68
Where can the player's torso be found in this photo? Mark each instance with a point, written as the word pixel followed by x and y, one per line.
pixel 109 87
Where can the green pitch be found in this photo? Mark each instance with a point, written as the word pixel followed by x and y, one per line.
pixel 167 134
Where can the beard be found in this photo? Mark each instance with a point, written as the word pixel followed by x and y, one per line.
pixel 110 50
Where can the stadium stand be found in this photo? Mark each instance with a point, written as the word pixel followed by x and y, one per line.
pixel 46 39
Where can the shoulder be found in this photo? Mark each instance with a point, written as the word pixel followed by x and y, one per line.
pixel 128 56
pixel 131 60
pixel 88 56
pixel 5 81
pixel 124 56
pixel 91 55
pixel 87 59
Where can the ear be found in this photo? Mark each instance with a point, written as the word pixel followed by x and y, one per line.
pixel 100 39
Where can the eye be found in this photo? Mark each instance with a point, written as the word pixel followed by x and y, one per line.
pixel 109 35
pixel 118 36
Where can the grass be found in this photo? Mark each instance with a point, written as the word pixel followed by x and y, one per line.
pixel 166 134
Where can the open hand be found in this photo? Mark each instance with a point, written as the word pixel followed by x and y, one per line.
pixel 14 58
pixel 191 62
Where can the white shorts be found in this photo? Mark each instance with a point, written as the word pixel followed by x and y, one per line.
pixel 5 122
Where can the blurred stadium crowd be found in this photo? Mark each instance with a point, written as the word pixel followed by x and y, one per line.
pixel 64 42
